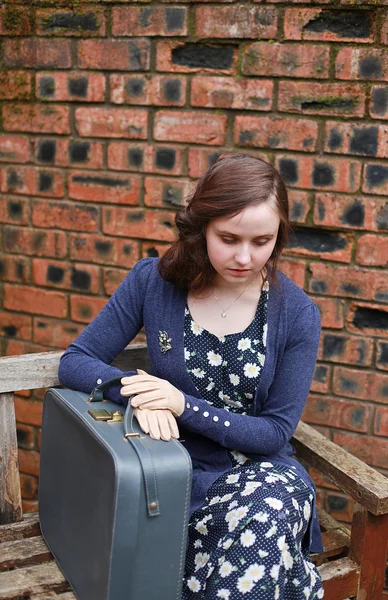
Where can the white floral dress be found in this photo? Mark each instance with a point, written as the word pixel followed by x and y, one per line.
pixel 248 537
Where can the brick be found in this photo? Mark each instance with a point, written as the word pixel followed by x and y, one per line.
pixel 329 25
pixel 15 85
pixel 365 385
pixel 191 127
pixel 63 152
pixel 382 354
pixel 352 212
pixel 26 240
pixel 28 412
pixel 37 52
pixel 299 204
pixel 112 278
pixel 149 21
pixel 294 269
pixel 336 174
pixel 146 158
pixel 149 249
pixel 166 192
pixel 340 507
pixel 372 250
pixel 348 282
pixel 109 187
pixel 237 21
pixel 14 210
pixel 375 178
pixel 226 92
pixel 112 123
pixel 309 241
pixel 18 347
pixel 357 138
pixel 65 215
pixel 346 349
pixel 84 308
pixel 103 250
pixel 362 64
pixel 347 100
pixel 36 118
pixel 135 223
pixel 369 319
pixel 332 312
pixel 58 334
pixel 63 275
pixel 35 301
pixel 335 412
pixel 114 55
pixel 14 325
pixel 286 60
pixel 272 132
pixel 29 462
pixel 15 20
pixel 186 57
pixel 380 426
pixel 89 20
pixel 378 108
pixel 158 90
pixel 25 436
pixel 321 379
pixel 29 486
pixel 200 159
pixel 15 268
pixel 372 450
pixel 384 32
pixel 70 87
pixel 32 181
pixel 14 148
pixel 30 506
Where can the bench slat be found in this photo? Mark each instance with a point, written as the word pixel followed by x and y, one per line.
pixel 22 553
pixel 28 527
pixel 32 580
pixel 340 578
pixel 10 496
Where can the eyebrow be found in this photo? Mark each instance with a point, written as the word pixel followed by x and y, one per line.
pixel 224 232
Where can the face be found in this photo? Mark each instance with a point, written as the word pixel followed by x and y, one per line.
pixel 239 247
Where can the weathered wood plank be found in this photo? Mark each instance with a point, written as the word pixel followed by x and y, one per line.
pixel 23 553
pixel 368 547
pixel 28 527
pixel 48 596
pixel 327 522
pixel 10 498
pixel 32 580
pixel 363 483
pixel 340 579
pixel 40 370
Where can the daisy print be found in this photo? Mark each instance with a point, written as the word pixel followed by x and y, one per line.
pixel 233 478
pixel 244 344
pixel 195 328
pixel 214 359
pixel 226 569
pixel 193 584
pixel 197 372
pixel 224 594
pixel 187 354
pixel 265 331
pixel 261 358
pixel 251 370
pixel 256 572
pixel 234 379
pixel 247 538
pixel 245 584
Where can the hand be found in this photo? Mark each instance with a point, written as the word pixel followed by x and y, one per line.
pixel 160 424
pixel 152 392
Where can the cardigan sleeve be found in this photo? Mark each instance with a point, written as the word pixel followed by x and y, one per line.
pixel 86 362
pixel 267 433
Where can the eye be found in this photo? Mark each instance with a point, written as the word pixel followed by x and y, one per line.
pixel 228 240
pixel 261 243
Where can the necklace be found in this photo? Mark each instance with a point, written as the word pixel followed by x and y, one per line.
pixel 224 310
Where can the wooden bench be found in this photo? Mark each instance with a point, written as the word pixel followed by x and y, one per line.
pixel 352 564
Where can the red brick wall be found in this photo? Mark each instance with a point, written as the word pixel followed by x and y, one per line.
pixel 109 112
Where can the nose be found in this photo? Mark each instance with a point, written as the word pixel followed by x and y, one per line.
pixel 243 256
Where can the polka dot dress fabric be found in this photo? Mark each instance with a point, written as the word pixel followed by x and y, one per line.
pixel 248 539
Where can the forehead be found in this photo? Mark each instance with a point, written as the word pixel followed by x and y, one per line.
pixel 258 220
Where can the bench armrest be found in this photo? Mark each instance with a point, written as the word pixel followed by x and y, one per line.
pixel 363 483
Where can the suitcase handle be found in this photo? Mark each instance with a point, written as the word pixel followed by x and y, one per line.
pixel 134 438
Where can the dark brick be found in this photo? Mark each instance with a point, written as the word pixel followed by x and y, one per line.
pixel 319 287
pixel 135 157
pixel 357 416
pixel 172 89
pixel 165 158
pixel 134 217
pixel 103 247
pixel 79 152
pixel 364 141
pixel 46 87
pixel 13 180
pixel 370 67
pixel 2 268
pixel 317 240
pixel 15 209
pixel 71 21
pixel 345 24
pixel 10 330
pixel 175 18
pixel 78 87
pixel 172 195
pixel 382 358
pixel 127 250
pixel 320 374
pixel 135 87
pixel 80 280
pixel 208 57
pixel 382 217
pixel 354 215
pixel 323 174
pixel 297 211
pixel 45 182
pixel 351 288
pixel 289 170
pixel 152 252
pixel 376 175
pixel 321 210
pixel 335 140
pixel 145 16
pixel 348 384
pixel 379 100
pixel 136 56
pixel 333 345
pixel 213 157
pixel 245 137
pixel 20 270
pixel 370 318
pixel 55 274
pixel 336 503
pixel 108 181
pixel 46 151
pixel 344 104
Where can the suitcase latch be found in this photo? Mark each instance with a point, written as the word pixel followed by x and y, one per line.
pixel 100 414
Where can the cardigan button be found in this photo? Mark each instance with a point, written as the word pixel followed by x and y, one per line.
pixel 195 408
pixel 188 405
pixel 215 419
pixel 206 414
pixel 99 381
pixel 227 423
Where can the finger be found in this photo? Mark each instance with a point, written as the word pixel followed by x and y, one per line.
pixel 141 386
pixel 143 397
pixel 131 390
pixel 153 424
pixel 161 404
pixel 172 424
pixel 164 426
pixel 141 416
pixel 142 372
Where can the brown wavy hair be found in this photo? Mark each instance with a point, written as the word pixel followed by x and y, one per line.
pixel 230 185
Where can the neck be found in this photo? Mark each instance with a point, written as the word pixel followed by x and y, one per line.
pixel 221 285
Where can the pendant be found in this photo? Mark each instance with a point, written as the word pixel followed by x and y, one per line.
pixel 223 315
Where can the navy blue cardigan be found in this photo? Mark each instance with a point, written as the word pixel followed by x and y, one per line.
pixel 144 298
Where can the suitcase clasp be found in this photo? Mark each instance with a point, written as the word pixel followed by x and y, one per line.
pixel 100 414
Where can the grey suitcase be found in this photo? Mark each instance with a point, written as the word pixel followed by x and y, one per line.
pixel 113 503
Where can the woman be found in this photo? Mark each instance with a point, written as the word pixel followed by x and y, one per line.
pixel 232 343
